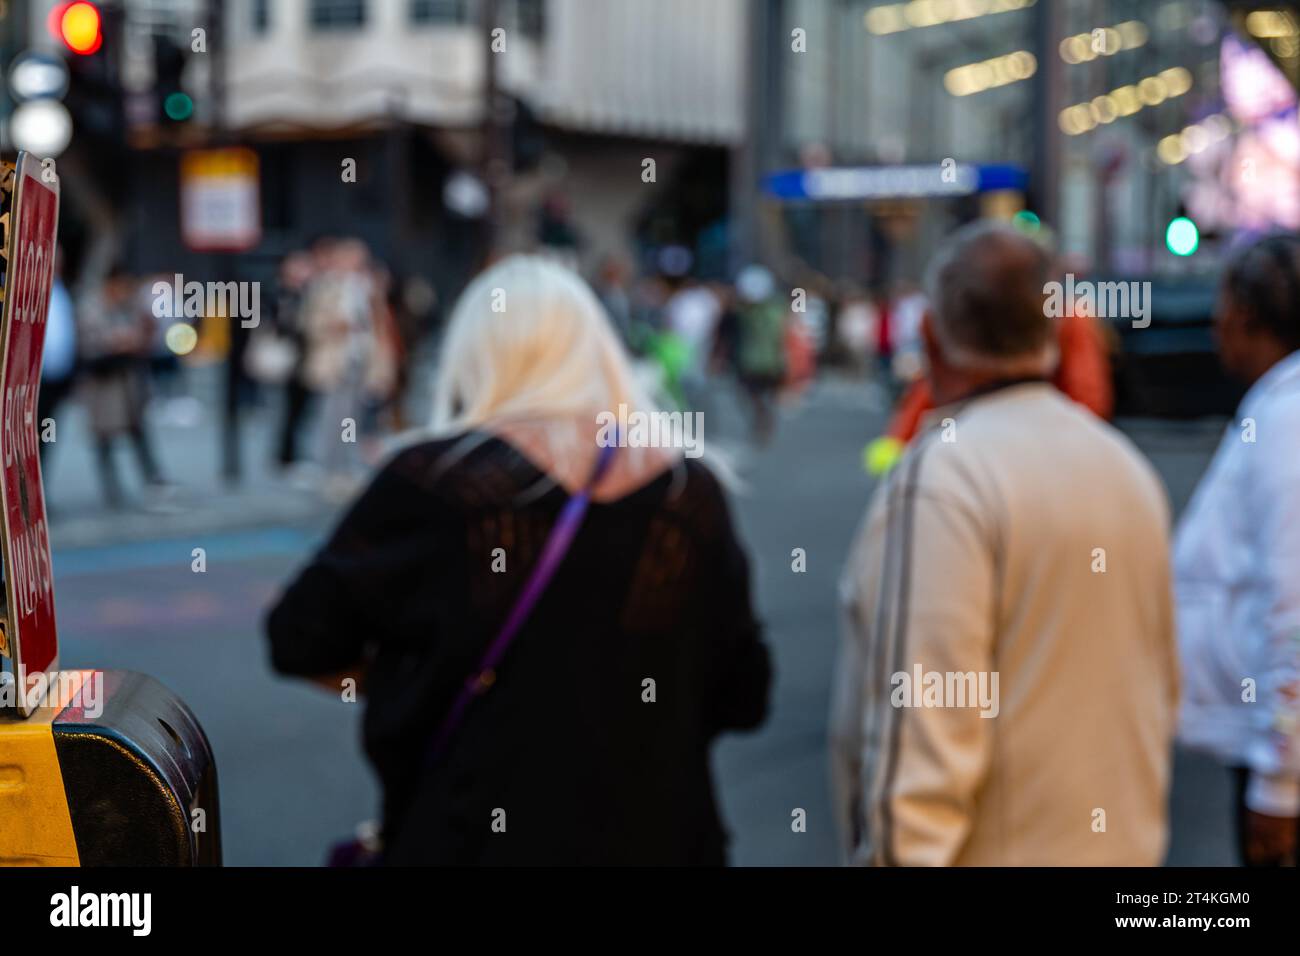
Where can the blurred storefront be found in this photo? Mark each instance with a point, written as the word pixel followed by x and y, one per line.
pixel 621 126
pixel 1126 115
pixel 369 118
pixel 610 125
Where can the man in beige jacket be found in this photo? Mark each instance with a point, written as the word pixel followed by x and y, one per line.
pixel 1007 686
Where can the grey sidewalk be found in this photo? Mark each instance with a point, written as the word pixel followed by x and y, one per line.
pixel 189 454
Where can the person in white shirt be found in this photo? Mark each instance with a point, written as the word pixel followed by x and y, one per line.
pixel 59 360
pixel 1007 686
pixel 692 314
pixel 1237 559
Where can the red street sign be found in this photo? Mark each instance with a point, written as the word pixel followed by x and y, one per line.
pixel 29 640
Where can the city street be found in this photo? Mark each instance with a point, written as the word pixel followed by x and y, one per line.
pixel 263 266
pixel 291 773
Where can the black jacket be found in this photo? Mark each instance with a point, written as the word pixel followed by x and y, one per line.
pixel 564 750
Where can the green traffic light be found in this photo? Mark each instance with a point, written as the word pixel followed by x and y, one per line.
pixel 1027 221
pixel 1182 238
pixel 178 107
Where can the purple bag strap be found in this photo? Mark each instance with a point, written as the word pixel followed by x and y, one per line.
pixel 553 552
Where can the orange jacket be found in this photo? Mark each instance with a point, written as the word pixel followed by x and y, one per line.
pixel 1083 374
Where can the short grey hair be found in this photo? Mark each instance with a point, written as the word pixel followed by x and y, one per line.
pixel 985 286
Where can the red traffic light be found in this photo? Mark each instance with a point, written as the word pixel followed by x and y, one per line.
pixel 78 26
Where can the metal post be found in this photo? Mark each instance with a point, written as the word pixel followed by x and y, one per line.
pixel 761 137
pixel 1045 171
pixel 217 67
pixel 495 168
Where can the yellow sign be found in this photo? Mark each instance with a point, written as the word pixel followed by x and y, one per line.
pixel 221 207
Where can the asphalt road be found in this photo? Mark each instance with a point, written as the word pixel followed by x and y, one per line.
pixel 292 777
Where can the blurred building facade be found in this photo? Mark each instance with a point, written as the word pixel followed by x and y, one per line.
pixel 370 117
pixel 1115 110
pixel 586 92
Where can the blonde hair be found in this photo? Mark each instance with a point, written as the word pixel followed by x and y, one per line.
pixel 529 343
pixel 528 339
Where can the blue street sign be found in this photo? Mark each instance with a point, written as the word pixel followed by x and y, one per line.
pixel 931 180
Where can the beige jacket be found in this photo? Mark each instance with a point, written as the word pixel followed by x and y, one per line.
pixel 1007 687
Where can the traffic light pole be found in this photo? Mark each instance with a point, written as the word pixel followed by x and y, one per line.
pixel 762 131
pixel 1045 172
pixel 220 264
pixel 495 170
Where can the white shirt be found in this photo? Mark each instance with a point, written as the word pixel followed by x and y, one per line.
pixel 693 314
pixel 1237 576
pixel 60 335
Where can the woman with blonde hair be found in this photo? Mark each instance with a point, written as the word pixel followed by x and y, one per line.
pixel 551 626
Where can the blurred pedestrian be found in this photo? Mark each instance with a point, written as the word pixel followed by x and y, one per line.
pixel 884 329
pixel 692 314
pixel 761 351
pixel 410 304
pixel 803 333
pixel 855 329
pixel 587 740
pixel 339 335
pixel 1007 685
pixel 166 374
pixel 59 362
pixel 612 288
pixel 385 359
pixel 557 234
pixel 238 390
pixel 907 309
pixel 116 337
pixel 1237 560
pixel 1083 371
pixel 295 274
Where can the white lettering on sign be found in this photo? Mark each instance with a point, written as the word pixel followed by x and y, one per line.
pixel 33 581
pixel 31 306
pixel 31 289
pixel 20 435
pixel 30 557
